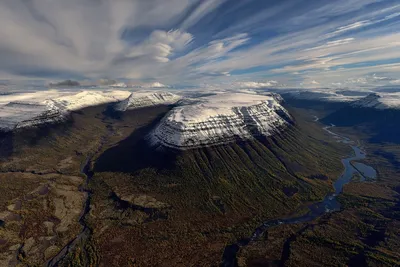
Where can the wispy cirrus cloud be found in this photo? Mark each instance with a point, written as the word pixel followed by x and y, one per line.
pixel 295 42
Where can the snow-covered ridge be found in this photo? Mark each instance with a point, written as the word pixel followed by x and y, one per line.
pixel 23 114
pixel 379 101
pixel 360 98
pixel 31 111
pixel 81 100
pixel 146 99
pixel 220 119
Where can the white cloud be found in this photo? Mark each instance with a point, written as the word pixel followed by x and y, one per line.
pixel 332 43
pixel 308 82
pixel 257 85
pixel 156 85
pixel 175 38
pixel 379 78
pixel 76 37
pixel 161 45
pixel 337 84
pixel 352 26
pixel 133 40
pixel 395 82
pixel 204 8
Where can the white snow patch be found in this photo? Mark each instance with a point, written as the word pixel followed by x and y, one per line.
pixel 119 85
pixel 155 85
pixel 142 99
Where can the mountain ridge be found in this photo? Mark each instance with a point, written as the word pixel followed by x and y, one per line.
pixel 146 99
pixel 25 114
pixel 372 114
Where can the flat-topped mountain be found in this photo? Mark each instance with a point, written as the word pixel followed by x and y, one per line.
pixel 22 114
pixel 16 115
pixel 147 99
pixel 221 118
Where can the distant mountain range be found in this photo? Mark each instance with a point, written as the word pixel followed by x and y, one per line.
pixel 379 116
pixel 146 99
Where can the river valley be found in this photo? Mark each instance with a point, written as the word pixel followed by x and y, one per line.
pixel 316 210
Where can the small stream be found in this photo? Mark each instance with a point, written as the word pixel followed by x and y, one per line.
pixel 316 210
pixel 86 231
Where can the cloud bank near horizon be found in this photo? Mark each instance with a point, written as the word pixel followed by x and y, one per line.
pixel 255 43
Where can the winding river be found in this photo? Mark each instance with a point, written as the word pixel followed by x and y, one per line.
pixel 327 205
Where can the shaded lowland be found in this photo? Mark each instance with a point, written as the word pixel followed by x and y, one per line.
pixel 43 192
pixel 318 107
pixel 382 125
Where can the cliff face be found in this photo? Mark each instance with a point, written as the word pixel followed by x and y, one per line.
pixel 221 119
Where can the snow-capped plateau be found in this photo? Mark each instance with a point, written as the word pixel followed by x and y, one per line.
pixel 147 99
pixel 323 95
pixel 29 96
pixel 17 115
pixel 33 109
pixel 220 119
pixel 81 100
pixel 379 101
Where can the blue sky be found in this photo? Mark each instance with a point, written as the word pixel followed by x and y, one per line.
pixel 246 43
